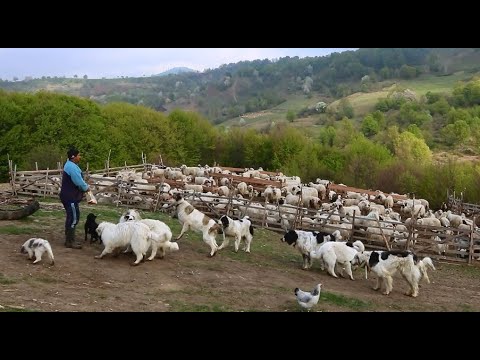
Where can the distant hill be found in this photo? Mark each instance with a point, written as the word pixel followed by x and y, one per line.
pixel 176 71
pixel 262 91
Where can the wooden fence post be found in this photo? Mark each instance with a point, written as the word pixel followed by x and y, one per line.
pixel 383 235
pixel 352 230
pixel 470 250
pixel 14 177
pixel 45 188
pixel 108 162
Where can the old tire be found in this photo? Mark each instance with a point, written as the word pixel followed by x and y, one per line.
pixel 24 211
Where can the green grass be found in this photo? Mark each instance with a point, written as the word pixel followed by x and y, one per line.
pixel 344 301
pixel 467 271
pixel 5 280
pixel 277 114
pixel 16 230
pixel 178 306
pixel 443 84
pixel 362 103
pixel 48 214
pixel 465 308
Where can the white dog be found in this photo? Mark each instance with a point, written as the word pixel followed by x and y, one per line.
pixel 386 263
pixel 340 254
pixel 132 233
pixel 130 215
pixel 193 219
pixel 161 237
pixel 422 265
pixel 239 229
pixel 306 242
pixel 37 246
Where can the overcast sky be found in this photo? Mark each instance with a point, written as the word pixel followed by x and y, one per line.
pixel 114 62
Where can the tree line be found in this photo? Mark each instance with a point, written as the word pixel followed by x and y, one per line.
pixel 248 86
pixel 39 128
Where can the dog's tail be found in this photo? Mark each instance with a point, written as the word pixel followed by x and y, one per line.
pixel 428 262
pixel 251 229
pixel 358 245
pixel 49 251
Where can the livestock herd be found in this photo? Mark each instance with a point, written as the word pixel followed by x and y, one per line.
pixel 331 226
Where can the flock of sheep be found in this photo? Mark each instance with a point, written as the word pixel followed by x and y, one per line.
pixel 291 204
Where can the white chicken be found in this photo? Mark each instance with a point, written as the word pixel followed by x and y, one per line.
pixel 308 299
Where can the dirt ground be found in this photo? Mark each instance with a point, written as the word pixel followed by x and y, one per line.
pixel 189 281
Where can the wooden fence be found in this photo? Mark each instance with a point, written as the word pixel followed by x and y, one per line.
pixel 458 206
pixel 451 244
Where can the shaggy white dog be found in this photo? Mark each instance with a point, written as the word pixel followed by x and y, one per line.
pixel 386 263
pixel 238 229
pixel 161 237
pixel 132 233
pixel 340 254
pixel 38 247
pixel 193 219
pixel 130 215
pixel 422 265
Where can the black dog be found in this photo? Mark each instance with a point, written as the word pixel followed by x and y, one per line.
pixel 91 227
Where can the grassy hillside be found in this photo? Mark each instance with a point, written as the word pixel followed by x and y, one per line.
pixel 362 102
pixel 278 113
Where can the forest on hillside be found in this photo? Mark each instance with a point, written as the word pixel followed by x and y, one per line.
pixel 39 128
pixel 248 86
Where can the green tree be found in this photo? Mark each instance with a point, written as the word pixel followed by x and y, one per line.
pixel 385 73
pixel 370 126
pixel 434 63
pixel 410 148
pixel 291 115
pixel 455 133
pixel 327 135
pixel 415 130
pixel 345 109
pixel 408 72
pixel 441 106
pixel 345 133
pixel 363 161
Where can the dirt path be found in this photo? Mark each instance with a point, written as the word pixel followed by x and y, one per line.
pixel 189 281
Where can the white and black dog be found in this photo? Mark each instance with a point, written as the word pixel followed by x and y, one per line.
pixel 305 242
pixel 239 229
pixel 37 246
pixel 386 263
